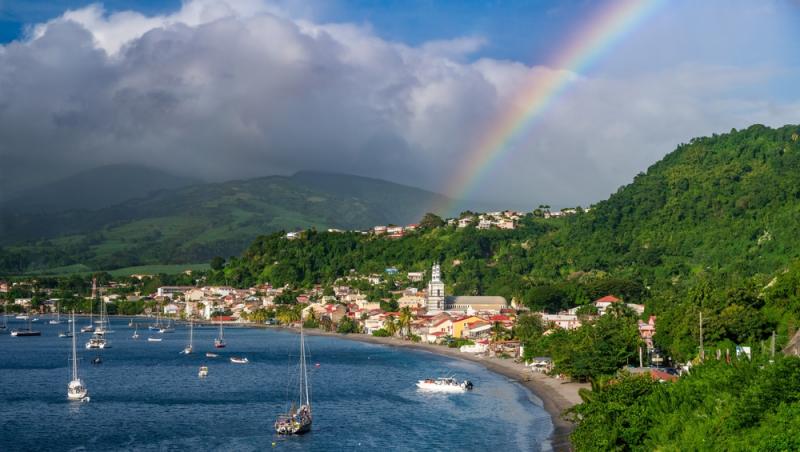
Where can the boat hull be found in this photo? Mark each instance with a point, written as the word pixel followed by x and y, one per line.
pixel 25 333
pixel 434 386
pixel 293 428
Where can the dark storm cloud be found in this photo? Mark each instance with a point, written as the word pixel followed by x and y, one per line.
pixel 224 89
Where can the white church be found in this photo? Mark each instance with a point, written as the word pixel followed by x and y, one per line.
pixel 436 300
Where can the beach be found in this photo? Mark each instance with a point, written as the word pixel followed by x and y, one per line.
pixel 556 395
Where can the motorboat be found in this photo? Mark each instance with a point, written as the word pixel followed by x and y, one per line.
pixel 65 334
pixel 154 339
pixel 203 372
pixel 239 360
pixel 211 355
pixel 444 384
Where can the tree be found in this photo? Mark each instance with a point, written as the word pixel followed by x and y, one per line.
pixel 347 325
pixel 217 263
pixel 390 325
pixel 431 221
pixel 404 320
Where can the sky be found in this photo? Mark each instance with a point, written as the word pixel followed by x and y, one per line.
pixel 399 90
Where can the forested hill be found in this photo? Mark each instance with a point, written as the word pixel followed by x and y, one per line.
pixel 728 202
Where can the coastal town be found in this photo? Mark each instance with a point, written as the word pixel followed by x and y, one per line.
pixel 479 325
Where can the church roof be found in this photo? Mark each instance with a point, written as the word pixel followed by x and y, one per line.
pixel 471 299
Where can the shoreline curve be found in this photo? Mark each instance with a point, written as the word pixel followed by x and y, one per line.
pixel 556 396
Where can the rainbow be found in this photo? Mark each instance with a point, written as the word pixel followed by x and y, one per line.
pixel 594 39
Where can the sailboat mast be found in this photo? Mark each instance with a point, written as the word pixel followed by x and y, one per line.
pixel 191 332
pixel 91 303
pixel 74 353
pixel 303 369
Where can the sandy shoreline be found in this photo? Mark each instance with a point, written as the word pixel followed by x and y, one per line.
pixel 556 395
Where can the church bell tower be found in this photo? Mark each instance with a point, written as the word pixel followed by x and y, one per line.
pixel 435 298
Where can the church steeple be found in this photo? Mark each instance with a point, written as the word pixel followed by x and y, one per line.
pixel 435 298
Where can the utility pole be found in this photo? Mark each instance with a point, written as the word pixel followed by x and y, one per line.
pixel 702 351
pixel 772 346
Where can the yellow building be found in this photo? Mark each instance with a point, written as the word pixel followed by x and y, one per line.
pixel 458 325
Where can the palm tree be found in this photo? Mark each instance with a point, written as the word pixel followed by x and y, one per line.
pixel 390 325
pixel 288 315
pixel 404 321
pixel 498 330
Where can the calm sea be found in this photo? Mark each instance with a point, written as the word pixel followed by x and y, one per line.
pixel 147 396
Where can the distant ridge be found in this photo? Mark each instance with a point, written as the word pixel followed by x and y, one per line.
pixel 95 188
pixel 195 222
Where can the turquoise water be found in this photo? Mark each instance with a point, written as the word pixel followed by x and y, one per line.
pixel 147 396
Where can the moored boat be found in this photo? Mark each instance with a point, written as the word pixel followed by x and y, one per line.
pixel 444 384
pixel 190 348
pixel 211 355
pixel 153 339
pixel 97 341
pixel 219 342
pixel 76 390
pixel 23 332
pixel 203 372
pixel 297 422
pixel 239 360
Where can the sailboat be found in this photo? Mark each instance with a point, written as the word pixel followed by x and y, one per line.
pixel 219 342
pixel 104 324
pixel 5 316
pixel 57 320
pixel 156 326
pixel 189 348
pixel 76 389
pixel 90 327
pixel 22 332
pixel 135 333
pixel 297 422
pixel 168 328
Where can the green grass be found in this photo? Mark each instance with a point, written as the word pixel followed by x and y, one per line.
pixel 169 269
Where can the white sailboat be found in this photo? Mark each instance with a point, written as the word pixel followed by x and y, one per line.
pixel 135 333
pixel 156 326
pixel 57 320
pixel 297 422
pixel 103 324
pixel 76 390
pixel 219 342
pixel 189 348
pixel 90 327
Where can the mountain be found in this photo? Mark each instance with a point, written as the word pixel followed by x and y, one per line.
pixel 196 222
pixel 94 189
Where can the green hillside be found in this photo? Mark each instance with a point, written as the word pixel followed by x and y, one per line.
pixel 197 222
pixel 728 203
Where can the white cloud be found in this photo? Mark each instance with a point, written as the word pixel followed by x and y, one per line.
pixel 228 89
